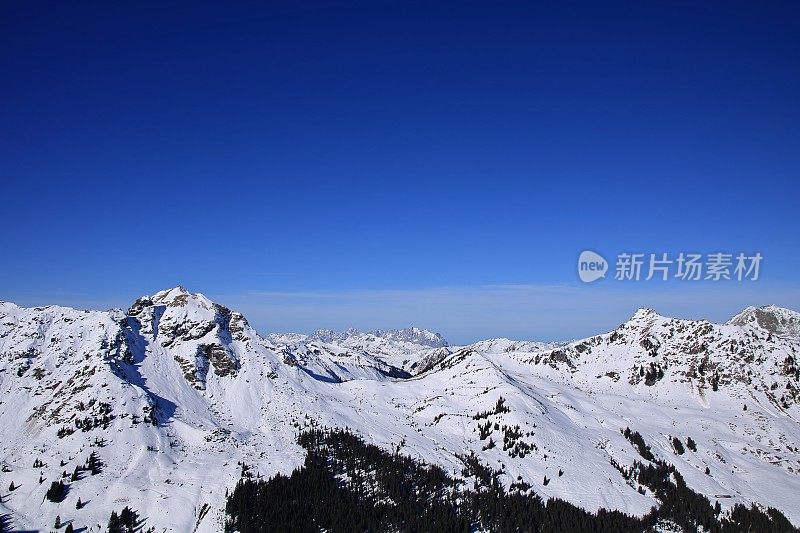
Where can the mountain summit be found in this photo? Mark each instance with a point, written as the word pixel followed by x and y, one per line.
pixel 772 318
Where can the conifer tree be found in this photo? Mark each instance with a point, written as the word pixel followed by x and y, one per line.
pixel 56 492
pixel 93 464
pixel 113 523
pixel 678 445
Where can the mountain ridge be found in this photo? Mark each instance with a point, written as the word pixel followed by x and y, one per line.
pixel 181 391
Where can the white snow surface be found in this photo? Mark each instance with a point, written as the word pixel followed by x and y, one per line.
pixel 176 392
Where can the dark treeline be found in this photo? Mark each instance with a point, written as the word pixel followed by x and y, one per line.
pixel 348 485
pixel 312 498
pixel 638 442
pixel 689 509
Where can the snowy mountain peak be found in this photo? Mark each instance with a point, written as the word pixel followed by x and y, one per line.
pixel 198 333
pixel 179 296
pixel 177 290
pixel 645 313
pixel 178 304
pixel 775 319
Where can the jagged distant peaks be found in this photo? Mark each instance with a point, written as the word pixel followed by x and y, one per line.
pixel 413 334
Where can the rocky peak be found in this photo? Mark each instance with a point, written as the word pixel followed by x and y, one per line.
pixel 198 333
pixel 644 314
pixel 414 335
pixel 776 320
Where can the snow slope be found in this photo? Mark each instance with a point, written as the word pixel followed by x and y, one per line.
pixel 177 392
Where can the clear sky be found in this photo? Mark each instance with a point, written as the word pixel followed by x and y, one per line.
pixel 376 164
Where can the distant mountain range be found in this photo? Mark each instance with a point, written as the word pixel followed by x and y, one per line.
pixel 163 408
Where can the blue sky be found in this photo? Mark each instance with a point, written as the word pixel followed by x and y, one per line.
pixel 385 163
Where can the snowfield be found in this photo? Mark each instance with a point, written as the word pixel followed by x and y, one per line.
pixel 176 393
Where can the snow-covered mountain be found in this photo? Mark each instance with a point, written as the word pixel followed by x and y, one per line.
pixel 175 394
pixel 398 348
pixel 782 322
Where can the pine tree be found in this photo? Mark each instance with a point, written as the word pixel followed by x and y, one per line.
pixel 113 523
pixel 124 522
pixel 69 528
pixel 78 504
pixel 11 487
pixel 56 492
pixel 127 519
pixel 678 445
pixel 58 522
pixel 93 464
